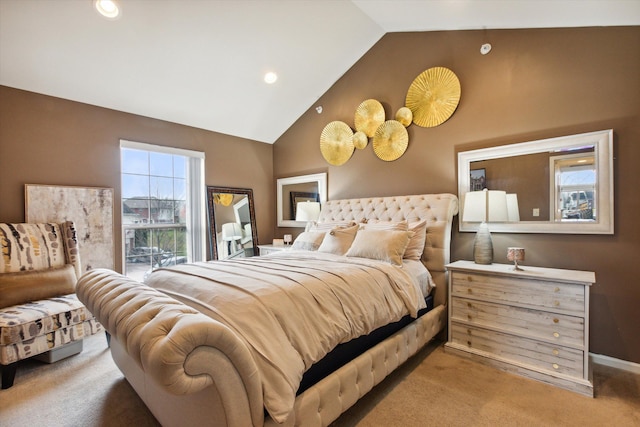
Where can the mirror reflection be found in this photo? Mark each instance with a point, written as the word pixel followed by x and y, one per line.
pixel 558 185
pixel 232 226
pixel 308 190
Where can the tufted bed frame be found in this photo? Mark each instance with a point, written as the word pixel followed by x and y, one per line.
pixel 190 369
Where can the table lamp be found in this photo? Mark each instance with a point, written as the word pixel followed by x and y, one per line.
pixel 307 211
pixel 231 231
pixel 484 206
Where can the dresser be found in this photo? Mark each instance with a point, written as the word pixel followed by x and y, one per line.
pixel 533 322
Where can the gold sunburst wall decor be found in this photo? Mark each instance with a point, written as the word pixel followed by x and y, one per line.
pixel 390 141
pixel 404 116
pixel 223 199
pixel 336 143
pixel 360 140
pixel 369 116
pixel 433 96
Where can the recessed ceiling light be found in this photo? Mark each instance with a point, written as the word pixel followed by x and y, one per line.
pixel 107 8
pixel 270 77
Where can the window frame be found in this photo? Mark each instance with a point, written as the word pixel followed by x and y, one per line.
pixel 196 200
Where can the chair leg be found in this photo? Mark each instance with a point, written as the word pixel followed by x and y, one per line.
pixel 108 335
pixel 8 374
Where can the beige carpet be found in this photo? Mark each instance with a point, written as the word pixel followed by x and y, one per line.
pixel 431 389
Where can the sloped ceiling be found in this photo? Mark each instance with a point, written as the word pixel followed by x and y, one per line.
pixel 201 62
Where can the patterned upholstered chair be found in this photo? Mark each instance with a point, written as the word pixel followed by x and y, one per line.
pixel 39 312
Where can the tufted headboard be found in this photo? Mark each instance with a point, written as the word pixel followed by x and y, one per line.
pixel 437 209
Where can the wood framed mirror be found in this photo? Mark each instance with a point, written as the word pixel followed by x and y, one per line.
pixel 232 222
pixel 562 185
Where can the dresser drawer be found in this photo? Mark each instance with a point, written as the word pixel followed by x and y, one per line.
pixel 553 296
pixel 543 325
pixel 526 351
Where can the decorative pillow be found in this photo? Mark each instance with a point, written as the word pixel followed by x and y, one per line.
pixel 327 225
pixel 338 241
pixel 416 243
pixel 376 224
pixel 26 286
pixel 308 241
pixel 383 245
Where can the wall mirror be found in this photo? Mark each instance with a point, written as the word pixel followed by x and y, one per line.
pixel 298 189
pixel 561 185
pixel 232 222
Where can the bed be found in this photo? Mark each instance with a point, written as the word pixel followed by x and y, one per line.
pixel 201 357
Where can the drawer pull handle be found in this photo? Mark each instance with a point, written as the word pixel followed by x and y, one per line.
pixel 469 343
pixel 557 335
pixel 556 289
pixel 556 320
pixel 469 279
pixel 469 331
pixel 556 352
pixel 555 366
pixel 469 290
pixel 556 303
pixel 469 305
pixel 468 316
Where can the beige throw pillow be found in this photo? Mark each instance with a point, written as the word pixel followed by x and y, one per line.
pixel 308 241
pixel 376 224
pixel 383 245
pixel 338 240
pixel 416 243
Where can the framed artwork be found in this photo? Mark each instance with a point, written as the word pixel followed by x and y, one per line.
pixel 478 180
pixel 297 197
pixel 90 208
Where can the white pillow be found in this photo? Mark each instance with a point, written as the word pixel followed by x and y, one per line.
pixel 416 243
pixel 308 241
pixel 338 241
pixel 327 225
pixel 383 245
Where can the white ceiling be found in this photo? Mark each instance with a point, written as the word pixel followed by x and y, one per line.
pixel 201 62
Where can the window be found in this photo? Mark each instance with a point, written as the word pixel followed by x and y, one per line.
pixel 162 207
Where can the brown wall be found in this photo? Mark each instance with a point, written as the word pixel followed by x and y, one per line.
pixel 46 140
pixel 534 84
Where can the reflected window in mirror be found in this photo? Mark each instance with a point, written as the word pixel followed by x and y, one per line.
pixel 562 185
pixel 232 224
pixel 574 186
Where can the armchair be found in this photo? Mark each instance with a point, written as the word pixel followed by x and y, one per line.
pixel 40 314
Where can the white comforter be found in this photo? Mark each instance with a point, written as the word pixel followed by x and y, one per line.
pixel 292 308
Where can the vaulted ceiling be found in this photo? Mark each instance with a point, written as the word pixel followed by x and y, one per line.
pixel 201 62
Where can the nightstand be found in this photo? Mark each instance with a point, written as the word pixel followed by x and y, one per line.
pixel 268 249
pixel 533 322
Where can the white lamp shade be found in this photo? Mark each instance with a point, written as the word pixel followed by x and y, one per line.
pixel 231 231
pixel 512 208
pixel 485 206
pixel 307 211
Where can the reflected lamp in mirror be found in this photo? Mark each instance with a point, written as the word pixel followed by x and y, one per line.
pixel 513 212
pixel 231 231
pixel 485 206
pixel 307 211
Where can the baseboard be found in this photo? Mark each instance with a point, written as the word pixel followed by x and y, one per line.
pixel 601 359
